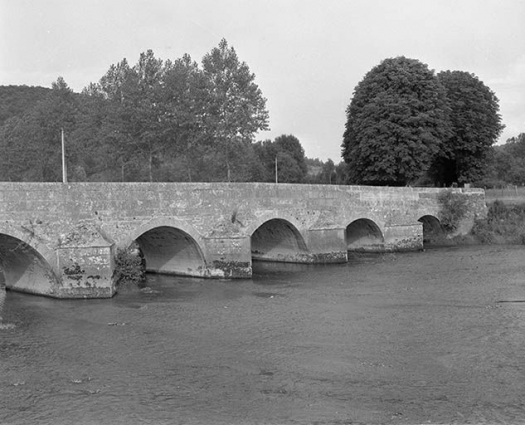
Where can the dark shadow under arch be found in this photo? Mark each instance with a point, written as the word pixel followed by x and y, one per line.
pixel 364 235
pixel 278 240
pixel 433 232
pixel 169 250
pixel 24 269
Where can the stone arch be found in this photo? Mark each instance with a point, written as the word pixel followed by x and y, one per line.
pixel 170 246
pixel 25 265
pixel 432 229
pixel 279 240
pixel 364 234
pixel 270 215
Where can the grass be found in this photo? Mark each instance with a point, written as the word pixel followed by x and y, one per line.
pixel 510 195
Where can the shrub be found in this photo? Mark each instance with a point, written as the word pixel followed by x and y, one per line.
pixel 453 209
pixel 483 232
pixel 129 266
pixel 504 224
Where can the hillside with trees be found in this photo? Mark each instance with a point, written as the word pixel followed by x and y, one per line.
pixel 15 100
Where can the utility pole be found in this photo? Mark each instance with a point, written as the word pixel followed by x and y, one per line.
pixel 64 169
pixel 276 176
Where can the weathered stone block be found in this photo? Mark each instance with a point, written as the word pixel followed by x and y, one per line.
pixel 404 238
pixel 86 272
pixel 228 257
pixel 327 246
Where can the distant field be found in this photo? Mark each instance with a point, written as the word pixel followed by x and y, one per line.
pixel 512 196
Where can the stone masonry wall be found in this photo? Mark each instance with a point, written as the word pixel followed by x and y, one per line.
pixel 80 218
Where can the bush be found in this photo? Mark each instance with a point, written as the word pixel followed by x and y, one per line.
pixel 129 266
pixel 504 224
pixel 483 232
pixel 453 209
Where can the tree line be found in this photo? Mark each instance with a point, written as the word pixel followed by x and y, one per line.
pixel 152 121
pixel 180 120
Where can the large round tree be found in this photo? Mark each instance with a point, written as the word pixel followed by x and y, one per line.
pixel 396 122
pixel 476 126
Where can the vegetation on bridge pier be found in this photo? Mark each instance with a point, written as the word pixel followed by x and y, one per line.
pixel 129 266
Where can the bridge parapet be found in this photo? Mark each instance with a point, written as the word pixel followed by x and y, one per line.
pixel 60 239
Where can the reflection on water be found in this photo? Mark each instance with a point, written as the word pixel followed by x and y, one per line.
pixel 395 338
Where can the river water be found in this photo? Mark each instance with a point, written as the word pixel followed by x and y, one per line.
pixel 426 337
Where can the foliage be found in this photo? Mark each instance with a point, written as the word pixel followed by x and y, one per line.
pixel 236 108
pixel 30 143
pixel 129 267
pixel 175 114
pixel 291 163
pixel 287 151
pixel 16 100
pixel 320 172
pixel 507 163
pixel 130 129
pixel 476 126
pixel 183 98
pixel 504 224
pixel 328 172
pixel 395 123
pixel 453 208
pixel 156 120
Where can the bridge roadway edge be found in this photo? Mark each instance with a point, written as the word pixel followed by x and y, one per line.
pixel 70 233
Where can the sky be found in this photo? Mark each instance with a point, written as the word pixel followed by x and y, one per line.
pixel 307 55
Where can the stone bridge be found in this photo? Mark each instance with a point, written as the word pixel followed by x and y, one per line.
pixel 60 240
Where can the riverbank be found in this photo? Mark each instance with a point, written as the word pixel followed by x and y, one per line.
pixel 504 224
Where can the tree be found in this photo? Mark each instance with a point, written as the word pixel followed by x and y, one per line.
pixel 184 99
pixel 133 124
pixel 476 126
pixel 20 154
pixel 146 109
pixel 115 142
pixel 507 163
pixel 396 121
pixel 328 172
pixel 16 100
pixel 156 119
pixel 288 153
pixel 291 162
pixel 237 108
pixel 30 143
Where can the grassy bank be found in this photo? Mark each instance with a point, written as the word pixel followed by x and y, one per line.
pixel 509 195
pixel 505 224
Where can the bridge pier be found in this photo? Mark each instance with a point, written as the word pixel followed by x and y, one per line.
pixel 85 272
pixel 327 245
pixel 404 237
pixel 228 257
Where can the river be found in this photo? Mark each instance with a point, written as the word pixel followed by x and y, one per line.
pixel 427 337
